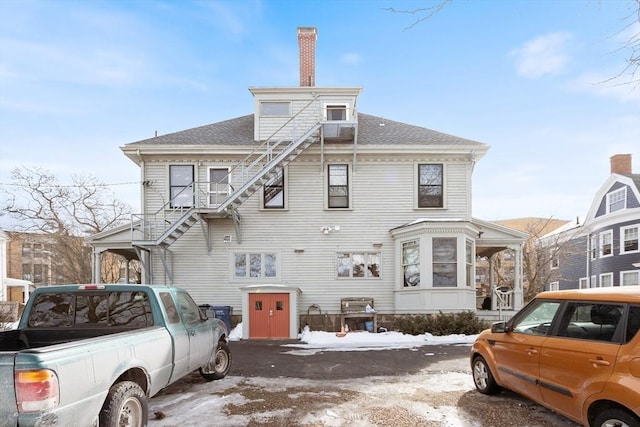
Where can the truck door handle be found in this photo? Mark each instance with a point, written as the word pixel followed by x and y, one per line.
pixel 192 333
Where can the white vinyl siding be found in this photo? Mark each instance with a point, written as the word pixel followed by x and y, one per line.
pixel 209 276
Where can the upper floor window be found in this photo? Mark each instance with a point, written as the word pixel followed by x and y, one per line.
pixel 411 263
pixel 338 186
pixel 275 108
pixel 584 283
pixel 554 286
pixel 430 186
pixel 593 246
pixel 358 264
pixel 445 261
pixel 629 239
pixel 555 259
pixel 594 281
pixel 255 265
pixel 336 112
pixel 273 196
pixel 181 185
pixel 617 200
pixel 219 185
pixel 606 242
pixel 26 250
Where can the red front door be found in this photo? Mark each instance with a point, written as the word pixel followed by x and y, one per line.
pixel 268 315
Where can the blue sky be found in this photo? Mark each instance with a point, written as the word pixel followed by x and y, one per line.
pixel 79 79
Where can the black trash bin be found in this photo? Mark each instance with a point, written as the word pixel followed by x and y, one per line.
pixel 223 312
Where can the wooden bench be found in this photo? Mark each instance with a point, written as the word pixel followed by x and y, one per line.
pixel 356 308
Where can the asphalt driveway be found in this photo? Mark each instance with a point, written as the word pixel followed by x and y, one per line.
pixel 274 384
pixel 273 359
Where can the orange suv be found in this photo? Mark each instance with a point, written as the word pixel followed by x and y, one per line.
pixel 576 352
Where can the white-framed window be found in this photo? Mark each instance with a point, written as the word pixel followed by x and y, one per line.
pixel 181 183
pixel 469 257
pixel 255 265
pixel 430 185
pixel 629 239
pixel 554 286
pixel 594 282
pixel 555 258
pixel 275 108
pixel 629 278
pixel 338 186
pixel 274 192
pixel 336 112
pixel 584 283
pixel 411 263
pixel 606 243
pixel 219 185
pixel 354 265
pixel 606 280
pixel 445 261
pixel 617 200
pixel 593 246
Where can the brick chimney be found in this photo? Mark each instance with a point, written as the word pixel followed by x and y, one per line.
pixel 307 40
pixel 621 164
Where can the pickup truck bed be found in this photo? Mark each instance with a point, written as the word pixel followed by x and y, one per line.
pixel 16 340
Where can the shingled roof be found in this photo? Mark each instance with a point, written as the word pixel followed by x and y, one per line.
pixel 372 130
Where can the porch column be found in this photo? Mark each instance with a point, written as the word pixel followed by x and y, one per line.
pixel 97 266
pixel 126 270
pixel 517 278
pixel 492 284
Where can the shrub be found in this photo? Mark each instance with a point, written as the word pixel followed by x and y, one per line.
pixel 465 322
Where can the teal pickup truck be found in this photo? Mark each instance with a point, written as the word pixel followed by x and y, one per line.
pixel 92 355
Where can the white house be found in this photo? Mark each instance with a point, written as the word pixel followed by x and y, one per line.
pixel 8 282
pixel 307 201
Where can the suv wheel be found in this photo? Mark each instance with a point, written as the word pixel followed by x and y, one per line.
pixel 483 378
pixel 615 417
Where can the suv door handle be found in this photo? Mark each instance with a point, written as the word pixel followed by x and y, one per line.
pixel 599 362
pixel 532 351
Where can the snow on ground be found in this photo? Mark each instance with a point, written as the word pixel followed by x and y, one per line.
pixel 193 405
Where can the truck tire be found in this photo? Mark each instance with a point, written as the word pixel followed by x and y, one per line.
pixel 219 364
pixel 126 406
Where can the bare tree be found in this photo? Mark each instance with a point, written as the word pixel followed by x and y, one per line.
pixel 38 203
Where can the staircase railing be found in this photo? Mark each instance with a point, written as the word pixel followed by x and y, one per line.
pixel 149 228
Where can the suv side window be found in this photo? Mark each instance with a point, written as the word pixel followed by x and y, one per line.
pixel 591 321
pixel 633 323
pixel 537 321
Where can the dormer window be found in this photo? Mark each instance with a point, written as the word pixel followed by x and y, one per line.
pixel 275 109
pixel 336 112
pixel 617 200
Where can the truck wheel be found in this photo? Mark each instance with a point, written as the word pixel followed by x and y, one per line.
pixel 126 406
pixel 483 378
pixel 219 364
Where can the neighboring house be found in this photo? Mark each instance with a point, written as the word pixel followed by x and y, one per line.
pixel 604 249
pixel 11 288
pixel 307 201
pixel 497 271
